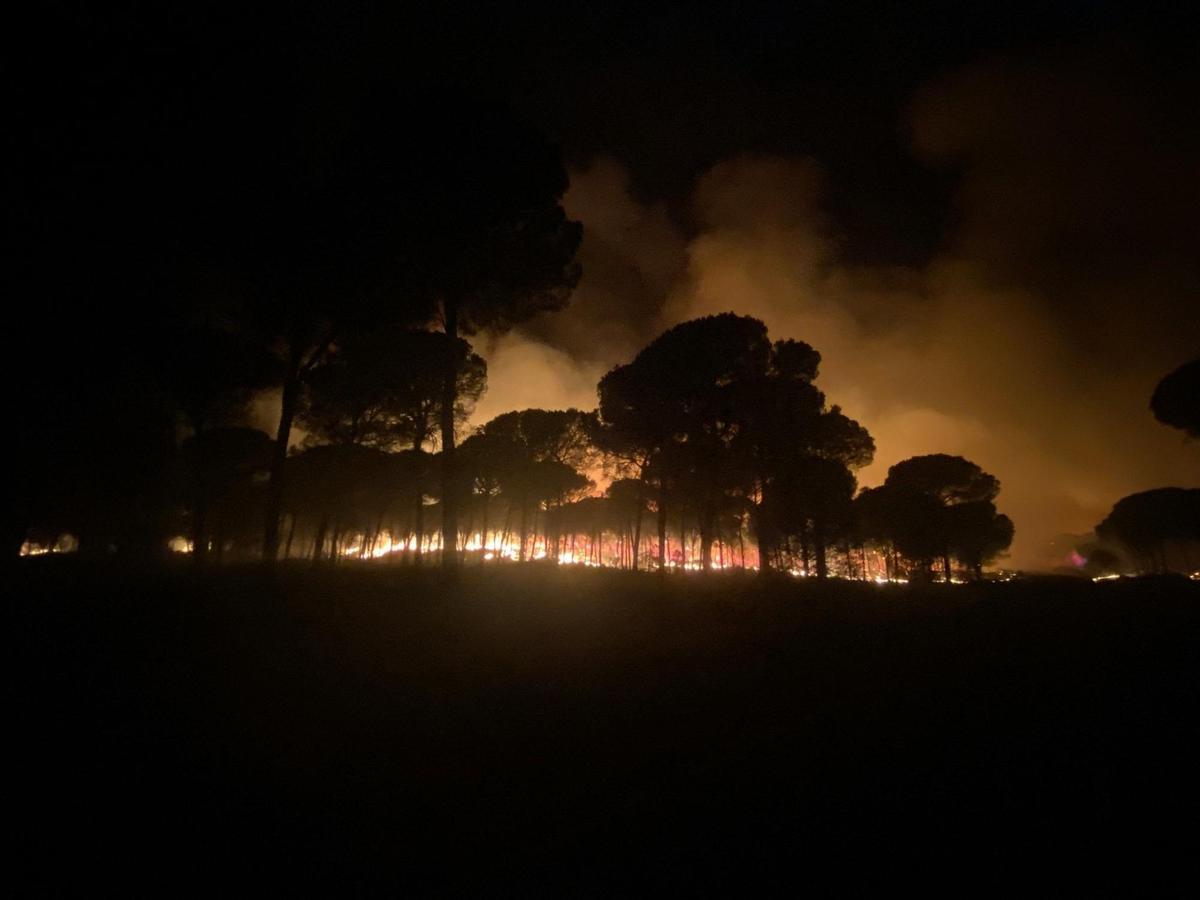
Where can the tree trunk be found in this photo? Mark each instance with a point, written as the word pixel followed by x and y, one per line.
pixel 524 531
pixel 320 540
pixel 507 533
pixel 706 539
pixel 287 413
pixel 637 538
pixel 662 527
pixel 449 397
pixel 946 565
pixel 419 526
pixel 820 548
pixel 762 539
pixel 395 529
pixel 483 525
pixel 379 534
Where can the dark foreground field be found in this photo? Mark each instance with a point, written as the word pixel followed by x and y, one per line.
pixel 594 732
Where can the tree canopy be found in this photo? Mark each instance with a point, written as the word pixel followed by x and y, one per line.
pixel 1149 523
pixel 1176 399
pixel 938 506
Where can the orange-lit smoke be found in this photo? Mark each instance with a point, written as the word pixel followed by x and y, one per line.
pixel 1029 343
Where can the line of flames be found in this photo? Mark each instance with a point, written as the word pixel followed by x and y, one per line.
pixel 496 547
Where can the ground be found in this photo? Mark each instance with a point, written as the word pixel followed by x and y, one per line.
pixel 576 732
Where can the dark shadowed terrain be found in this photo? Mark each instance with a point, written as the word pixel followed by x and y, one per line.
pixel 593 732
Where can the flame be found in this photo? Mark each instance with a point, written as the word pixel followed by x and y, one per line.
pixel 64 543
pixel 179 544
pixel 608 552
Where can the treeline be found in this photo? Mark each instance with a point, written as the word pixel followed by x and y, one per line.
pixel 714 448
pixel 261 223
pixel 325 250
pixel 250 230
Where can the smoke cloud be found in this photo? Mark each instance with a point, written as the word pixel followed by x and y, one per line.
pixel 1065 287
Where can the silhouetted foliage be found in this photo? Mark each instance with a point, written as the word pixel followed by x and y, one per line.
pixel 384 389
pixel 210 372
pixel 1176 399
pixel 1156 525
pixel 1100 558
pixel 712 410
pixel 979 534
pixel 310 211
pixel 337 493
pixel 676 405
pixel 810 502
pixel 495 247
pixel 533 457
pixel 935 507
pixel 226 468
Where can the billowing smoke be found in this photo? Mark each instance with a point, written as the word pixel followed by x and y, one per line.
pixel 1068 282
pixel 524 373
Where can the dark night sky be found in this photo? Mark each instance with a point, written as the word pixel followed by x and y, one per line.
pixel 983 214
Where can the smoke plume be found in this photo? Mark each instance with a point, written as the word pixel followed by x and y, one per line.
pixel 1065 287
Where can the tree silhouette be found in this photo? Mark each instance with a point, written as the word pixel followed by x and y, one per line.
pixel 225 464
pixel 561 435
pixel 308 213
pixel 786 430
pixel 926 500
pixel 1176 399
pixel 979 534
pixel 1100 558
pixel 676 406
pixel 1147 524
pixel 334 491
pixel 539 452
pixel 494 248
pixel 628 502
pixel 485 461
pixel 712 409
pixel 632 442
pixel 384 389
pixel 811 501
pixel 210 371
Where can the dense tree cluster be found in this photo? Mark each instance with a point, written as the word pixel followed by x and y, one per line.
pixel 1156 531
pixel 324 255
pixel 712 448
pixel 932 508
pixel 309 239
pixel 257 228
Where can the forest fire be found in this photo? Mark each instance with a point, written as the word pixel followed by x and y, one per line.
pixel 610 552
pixel 482 449
pixel 64 543
pixel 606 550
